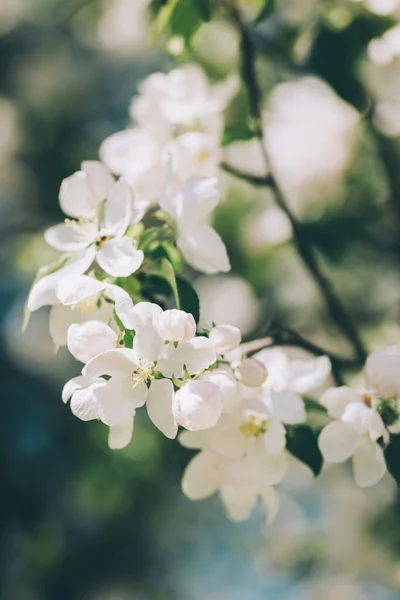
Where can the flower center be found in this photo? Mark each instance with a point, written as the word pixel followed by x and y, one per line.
pixel 253 426
pixel 202 155
pixel 83 227
pixel 143 373
pixel 86 306
pixel 102 239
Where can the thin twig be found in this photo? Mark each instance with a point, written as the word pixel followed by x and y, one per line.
pixel 253 179
pixel 336 308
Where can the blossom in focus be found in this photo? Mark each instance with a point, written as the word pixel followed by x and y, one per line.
pixel 191 207
pixel 101 237
pixel 358 424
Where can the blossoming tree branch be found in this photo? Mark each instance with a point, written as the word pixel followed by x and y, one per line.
pixel 133 220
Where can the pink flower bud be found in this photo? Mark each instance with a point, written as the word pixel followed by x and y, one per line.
pixel 225 338
pixel 197 405
pixel 176 325
pixel 251 372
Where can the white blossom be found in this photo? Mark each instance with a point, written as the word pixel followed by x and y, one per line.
pixel 225 338
pixel 197 405
pixel 251 372
pixel 98 237
pixel 191 207
pixel 176 325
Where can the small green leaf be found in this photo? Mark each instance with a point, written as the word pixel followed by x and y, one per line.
pixel 239 132
pixel 167 271
pixel 203 8
pixel 302 442
pixel 312 405
pixel 189 300
pixel 392 456
pixel 266 11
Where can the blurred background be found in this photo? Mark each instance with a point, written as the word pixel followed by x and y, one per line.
pixel 81 522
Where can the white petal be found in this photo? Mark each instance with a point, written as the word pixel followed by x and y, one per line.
pixel 225 338
pixel 119 363
pixel 197 354
pixel 288 407
pixel 200 478
pixel 43 292
pixel 224 378
pixel 376 426
pixel 75 384
pixel 159 406
pixel 61 317
pixel 337 442
pixel 124 310
pixel 75 288
pixel 66 239
pixel 275 437
pixel 238 501
pixel 356 415
pixel 335 400
pixel 89 339
pixel 119 257
pixel 382 371
pixel 306 376
pixel 198 198
pixel 147 343
pixel 197 405
pixel 368 463
pixel 84 402
pixel 271 502
pixel 118 400
pixel 99 181
pixel 118 209
pixel 74 196
pixel 203 249
pixel 120 435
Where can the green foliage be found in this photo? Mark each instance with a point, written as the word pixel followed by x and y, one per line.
pixel 188 298
pixel 302 442
pixel 266 10
pixel 392 456
pixel 182 17
pixel 240 131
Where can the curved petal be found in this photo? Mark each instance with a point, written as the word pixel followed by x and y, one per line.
pixel 61 317
pixel 99 181
pixel 357 416
pixel 271 502
pixel 159 406
pixel 89 339
pixel 238 501
pixel 75 288
pixel 197 199
pixel 120 435
pixel 376 426
pixel 288 407
pixel 337 442
pixel 197 354
pixel 306 376
pixel 119 257
pixel 335 400
pixel 118 363
pixel 382 371
pixel 275 437
pixel 200 478
pixel 84 402
pixel 203 249
pixel 118 209
pixel 368 463
pixel 75 198
pixel 43 292
pixel 75 384
pixel 66 238
pixel 118 400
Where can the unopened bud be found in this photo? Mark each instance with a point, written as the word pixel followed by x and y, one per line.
pixel 251 372
pixel 225 338
pixel 176 325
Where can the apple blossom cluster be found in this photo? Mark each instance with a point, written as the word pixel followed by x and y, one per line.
pixel 119 304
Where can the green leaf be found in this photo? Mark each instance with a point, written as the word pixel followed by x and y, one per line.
pixel 167 271
pixel 312 405
pixel 266 11
pixel 182 17
pixel 392 456
pixel 239 132
pixel 302 442
pixel 167 250
pixel 188 298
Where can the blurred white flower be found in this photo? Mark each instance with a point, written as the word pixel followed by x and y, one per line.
pixel 309 133
pixel 123 26
pixel 227 299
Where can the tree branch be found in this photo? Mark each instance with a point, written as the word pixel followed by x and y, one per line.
pixel 337 310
